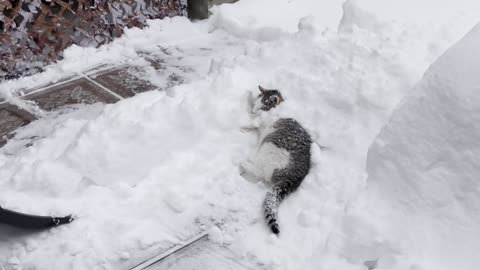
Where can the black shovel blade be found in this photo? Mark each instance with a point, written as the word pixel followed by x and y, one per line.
pixel 25 221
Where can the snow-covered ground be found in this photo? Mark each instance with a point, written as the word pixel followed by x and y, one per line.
pixel 152 170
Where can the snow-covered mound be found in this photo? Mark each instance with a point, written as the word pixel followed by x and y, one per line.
pixel 424 167
pixel 149 171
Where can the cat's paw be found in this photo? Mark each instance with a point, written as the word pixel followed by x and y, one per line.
pixel 249 129
pixel 253 126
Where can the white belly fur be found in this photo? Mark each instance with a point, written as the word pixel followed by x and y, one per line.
pixel 268 158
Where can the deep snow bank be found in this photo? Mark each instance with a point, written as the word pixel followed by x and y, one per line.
pixel 424 166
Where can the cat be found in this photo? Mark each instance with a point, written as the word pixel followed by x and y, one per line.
pixel 283 158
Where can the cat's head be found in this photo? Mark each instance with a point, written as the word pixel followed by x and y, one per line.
pixel 268 99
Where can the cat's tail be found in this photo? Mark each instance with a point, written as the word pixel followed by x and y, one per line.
pixel 273 199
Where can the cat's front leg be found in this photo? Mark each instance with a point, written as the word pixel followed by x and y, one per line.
pixel 249 129
pixel 253 126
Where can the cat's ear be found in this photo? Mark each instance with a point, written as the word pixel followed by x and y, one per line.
pixel 280 99
pixel 261 89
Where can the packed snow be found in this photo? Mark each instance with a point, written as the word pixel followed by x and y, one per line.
pixel 152 170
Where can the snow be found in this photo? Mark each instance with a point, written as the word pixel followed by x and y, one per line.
pixel 423 165
pixel 149 171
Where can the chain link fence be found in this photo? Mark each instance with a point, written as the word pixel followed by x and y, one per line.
pixel 34 33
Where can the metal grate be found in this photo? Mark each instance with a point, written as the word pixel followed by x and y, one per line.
pixel 35 32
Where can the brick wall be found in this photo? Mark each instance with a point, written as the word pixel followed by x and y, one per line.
pixel 35 32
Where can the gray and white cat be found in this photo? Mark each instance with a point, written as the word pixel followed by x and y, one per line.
pixel 283 156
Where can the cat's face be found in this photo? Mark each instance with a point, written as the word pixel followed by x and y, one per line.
pixel 268 99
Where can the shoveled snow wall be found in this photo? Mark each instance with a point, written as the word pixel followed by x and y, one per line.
pixel 424 166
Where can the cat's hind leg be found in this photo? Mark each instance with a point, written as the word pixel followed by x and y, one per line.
pixel 249 171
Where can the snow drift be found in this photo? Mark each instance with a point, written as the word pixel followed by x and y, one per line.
pixel 424 166
pixel 149 171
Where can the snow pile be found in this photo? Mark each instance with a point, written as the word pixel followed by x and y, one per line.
pixel 422 30
pixel 277 15
pixel 423 168
pixel 149 171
